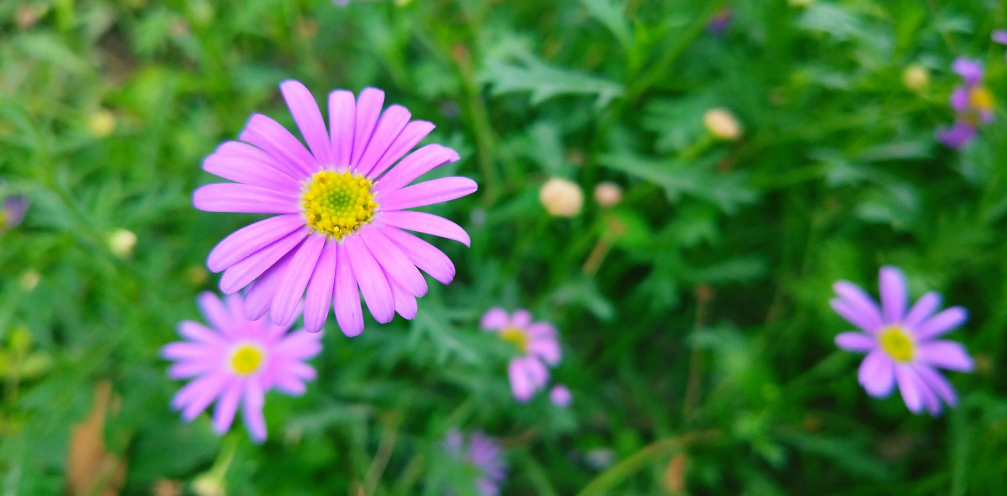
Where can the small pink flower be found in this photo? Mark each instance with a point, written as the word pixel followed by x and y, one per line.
pixel 237 361
pixel 537 344
pixel 560 396
pixel 341 210
pixel 901 346
pixel 485 454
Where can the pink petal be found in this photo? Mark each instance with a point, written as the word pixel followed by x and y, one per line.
pixel 295 280
pixel 275 140
pixel 541 330
pixel 941 323
pixel 373 284
pixel 910 389
pixel 260 296
pixel 290 385
pixel 414 132
pixel 876 374
pixel 250 172
pixel 521 318
pixel 255 422
pixel 856 342
pixel 244 272
pixel 215 312
pixel 243 154
pixel 428 193
pixel 937 382
pixel 207 392
pixel 426 223
pixel 422 254
pixel 208 385
pixel 368 109
pixel 308 118
pixel 560 396
pixel 520 381
pixel 946 355
pixel 183 350
pixel 342 111
pixel 860 303
pixel 250 239
pixel 847 311
pixel 193 368
pixel 923 309
pixel 319 295
pixel 415 165
pixel 396 265
pixel 392 122
pixel 495 319
pixel 223 414
pixel 346 299
pixel 241 198
pixel 893 294
pixel 300 345
pixel 198 332
pixel 405 303
pixel 546 349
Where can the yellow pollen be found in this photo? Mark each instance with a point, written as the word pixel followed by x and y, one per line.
pixel 980 98
pixel 247 359
pixel 337 203
pixel 895 340
pixel 516 336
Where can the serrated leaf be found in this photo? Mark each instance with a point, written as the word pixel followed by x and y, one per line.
pixel 544 81
pixel 613 18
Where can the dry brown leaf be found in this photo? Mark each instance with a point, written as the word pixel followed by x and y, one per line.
pixel 92 470
pixel 674 476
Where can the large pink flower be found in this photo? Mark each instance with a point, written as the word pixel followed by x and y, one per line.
pixel 537 344
pixel 237 361
pixel 341 211
pixel 901 346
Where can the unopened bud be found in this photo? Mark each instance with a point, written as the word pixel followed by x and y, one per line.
pixel 560 396
pixel 607 194
pixel 121 242
pixel 722 124
pixel 916 78
pixel 561 198
pixel 29 280
pixel 101 123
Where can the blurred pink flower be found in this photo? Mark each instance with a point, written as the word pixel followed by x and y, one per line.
pixel 901 347
pixel 237 361
pixel 12 212
pixel 537 344
pixel 972 103
pixel 560 396
pixel 341 216
pixel 485 454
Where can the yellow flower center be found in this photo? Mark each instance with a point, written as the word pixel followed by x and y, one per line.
pixel 247 358
pixel 895 340
pixel 337 203
pixel 516 336
pixel 980 98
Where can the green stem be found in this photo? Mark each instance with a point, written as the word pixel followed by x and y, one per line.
pixel 626 468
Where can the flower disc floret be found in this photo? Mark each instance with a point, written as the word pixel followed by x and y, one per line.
pixel 516 336
pixel 338 203
pixel 897 343
pixel 247 358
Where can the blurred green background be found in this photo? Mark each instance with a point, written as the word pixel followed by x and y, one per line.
pixel 696 309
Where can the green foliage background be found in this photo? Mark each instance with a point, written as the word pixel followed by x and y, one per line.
pixel 709 315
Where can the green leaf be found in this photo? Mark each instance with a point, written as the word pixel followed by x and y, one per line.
pixel 613 18
pixel 544 81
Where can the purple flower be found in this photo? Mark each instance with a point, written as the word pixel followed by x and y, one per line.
pixel 999 36
pixel 560 396
pixel 901 347
pixel 237 361
pixel 485 454
pixel 12 213
pixel 972 103
pixel 720 21
pixel 341 211
pixel 537 345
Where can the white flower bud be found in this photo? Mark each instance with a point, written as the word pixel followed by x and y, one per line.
pixel 121 242
pixel 607 194
pixel 916 78
pixel 101 123
pixel 722 124
pixel 561 198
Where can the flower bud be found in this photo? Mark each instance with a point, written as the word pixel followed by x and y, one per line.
pixel 101 123
pixel 560 396
pixel 607 194
pixel 121 242
pixel 722 124
pixel 916 78
pixel 29 280
pixel 561 198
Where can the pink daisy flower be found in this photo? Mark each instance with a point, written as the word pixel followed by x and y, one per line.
pixel 901 346
pixel 237 361
pixel 537 345
pixel 485 454
pixel 341 211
